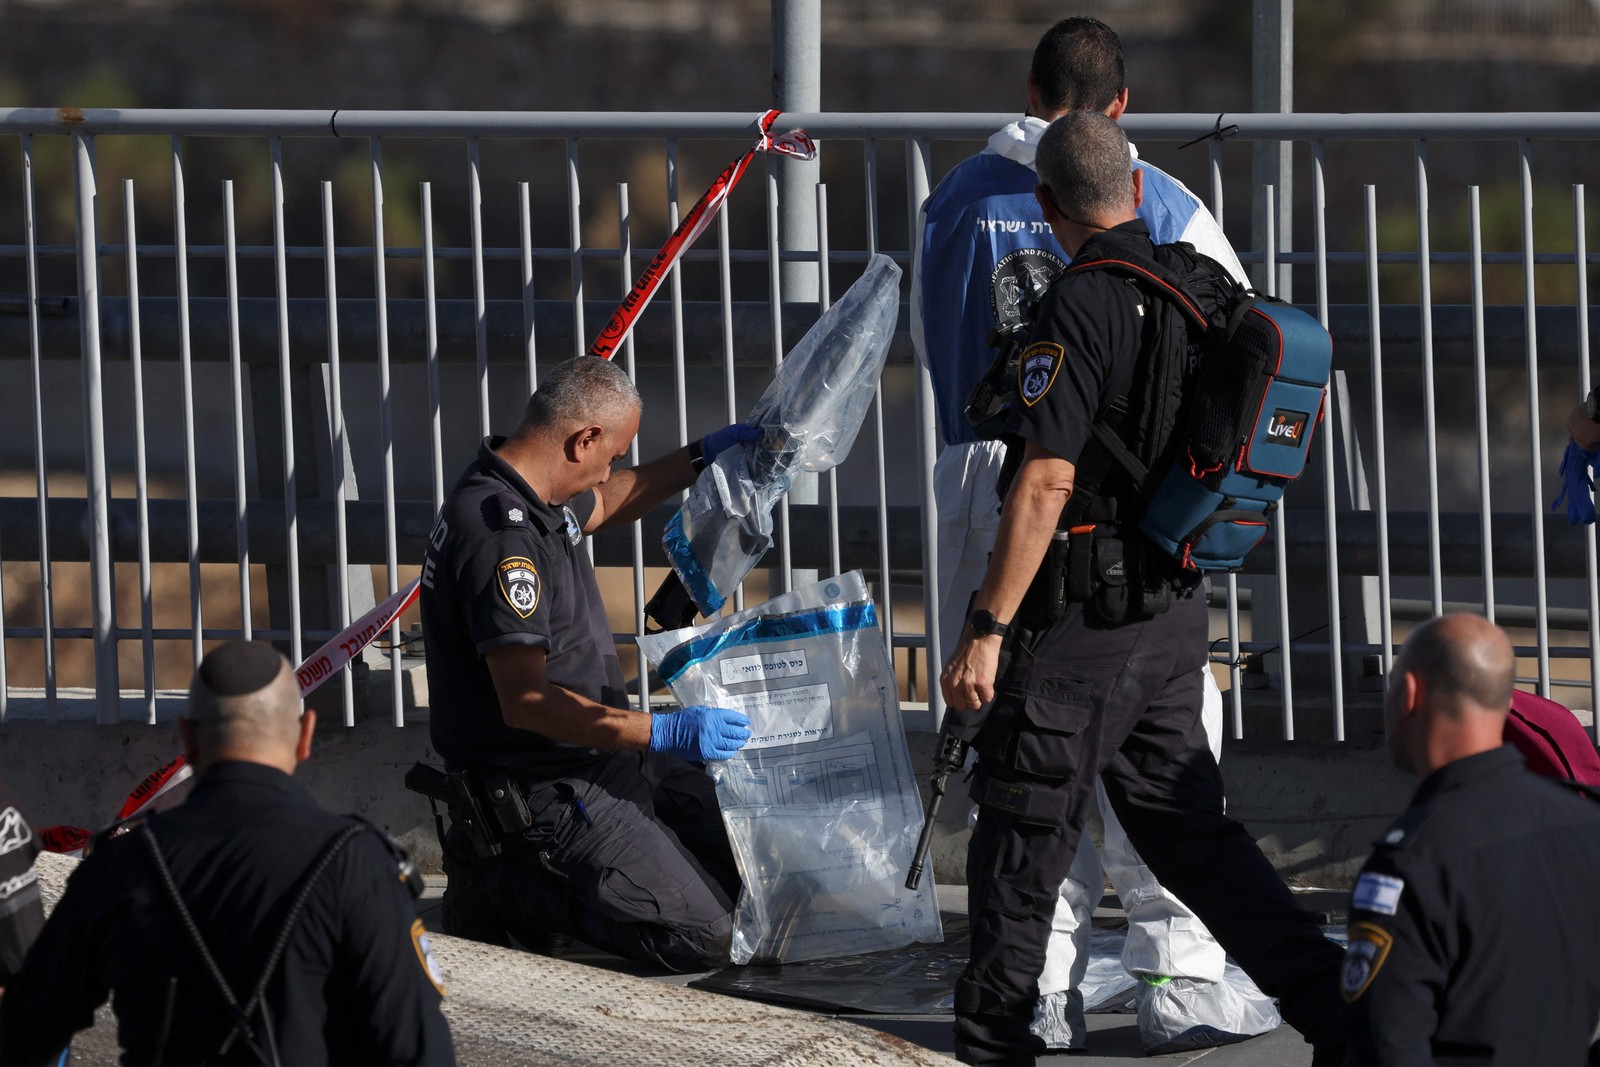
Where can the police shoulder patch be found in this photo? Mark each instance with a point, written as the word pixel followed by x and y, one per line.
pixel 424 946
pixel 1037 369
pixel 519 584
pixel 1369 947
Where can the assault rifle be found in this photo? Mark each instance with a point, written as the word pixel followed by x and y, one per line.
pixel 956 734
pixel 948 760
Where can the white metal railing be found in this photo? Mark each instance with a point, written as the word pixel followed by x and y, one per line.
pixel 1379 527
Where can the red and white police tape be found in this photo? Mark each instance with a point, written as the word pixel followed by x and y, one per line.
pixel 318 667
pixel 795 143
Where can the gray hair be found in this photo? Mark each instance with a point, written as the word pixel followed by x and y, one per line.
pixel 244 695
pixel 585 389
pixel 1084 162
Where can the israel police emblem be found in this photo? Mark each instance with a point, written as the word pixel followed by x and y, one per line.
pixel 519 583
pixel 1036 370
pixel 1369 947
pixel 573 531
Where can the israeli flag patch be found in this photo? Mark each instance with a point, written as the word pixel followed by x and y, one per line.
pixel 1379 893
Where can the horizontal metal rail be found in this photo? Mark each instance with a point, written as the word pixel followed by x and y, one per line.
pixel 895 125
pixel 276 451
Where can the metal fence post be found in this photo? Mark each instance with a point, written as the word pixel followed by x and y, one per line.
pixel 928 440
pixel 797 86
pixel 108 704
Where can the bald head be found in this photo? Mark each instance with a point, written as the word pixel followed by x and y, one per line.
pixel 1466 663
pixel 244 704
pixel 1449 692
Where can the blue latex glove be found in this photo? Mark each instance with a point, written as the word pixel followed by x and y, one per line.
pixel 1577 485
pixel 699 733
pixel 717 440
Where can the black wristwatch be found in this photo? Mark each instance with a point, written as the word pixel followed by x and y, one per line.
pixel 1591 404
pixel 984 624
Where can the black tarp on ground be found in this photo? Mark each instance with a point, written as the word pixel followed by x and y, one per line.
pixel 919 980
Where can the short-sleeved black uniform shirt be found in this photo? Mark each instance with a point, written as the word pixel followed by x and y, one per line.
pixel 1083 349
pixel 502 568
pixel 1472 928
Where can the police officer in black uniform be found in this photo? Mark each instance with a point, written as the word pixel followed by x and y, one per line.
pixel 1098 686
pixel 1472 933
pixel 600 828
pixel 246 925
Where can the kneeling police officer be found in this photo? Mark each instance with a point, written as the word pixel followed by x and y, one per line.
pixel 573 815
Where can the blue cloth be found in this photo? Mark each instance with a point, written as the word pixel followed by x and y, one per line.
pixel 983 212
pixel 699 733
pixel 1578 468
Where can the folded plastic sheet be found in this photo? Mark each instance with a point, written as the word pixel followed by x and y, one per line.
pixel 821 806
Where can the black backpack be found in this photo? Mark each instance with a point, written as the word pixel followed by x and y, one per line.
pixel 1228 402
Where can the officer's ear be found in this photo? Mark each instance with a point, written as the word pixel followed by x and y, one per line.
pixel 1047 203
pixel 308 727
pixel 1115 109
pixel 1413 694
pixel 1138 187
pixel 186 732
pixel 580 441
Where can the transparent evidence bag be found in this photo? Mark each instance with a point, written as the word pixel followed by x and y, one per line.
pixel 821 806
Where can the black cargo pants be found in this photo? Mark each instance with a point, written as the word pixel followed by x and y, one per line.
pixel 627 853
pixel 1122 701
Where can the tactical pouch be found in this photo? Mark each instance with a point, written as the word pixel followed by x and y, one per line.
pixel 1116 581
pixel 1114 596
pixel 507 806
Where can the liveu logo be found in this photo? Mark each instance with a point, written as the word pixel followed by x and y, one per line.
pixel 1286 427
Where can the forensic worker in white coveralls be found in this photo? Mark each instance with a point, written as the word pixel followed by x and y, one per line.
pixel 983 253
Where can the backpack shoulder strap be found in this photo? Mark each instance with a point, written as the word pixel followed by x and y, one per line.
pixel 1150 275
pixel 243 1013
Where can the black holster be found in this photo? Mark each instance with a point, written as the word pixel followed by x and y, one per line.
pixel 486 807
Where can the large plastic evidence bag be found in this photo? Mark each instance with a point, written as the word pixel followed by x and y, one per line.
pixel 821 806
pixel 811 413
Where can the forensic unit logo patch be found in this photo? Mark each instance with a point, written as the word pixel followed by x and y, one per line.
pixel 1369 947
pixel 570 526
pixel 1019 279
pixel 1037 369
pixel 519 581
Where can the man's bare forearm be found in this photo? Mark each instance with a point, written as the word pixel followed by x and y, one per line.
pixel 629 494
pixel 564 716
pixel 1033 507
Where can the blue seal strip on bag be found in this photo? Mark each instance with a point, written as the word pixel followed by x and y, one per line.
pixel 767 628
pixel 681 555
